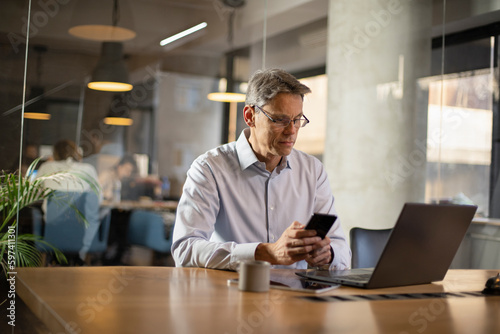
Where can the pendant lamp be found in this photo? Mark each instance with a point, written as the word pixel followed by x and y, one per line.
pixel 95 20
pixel 229 95
pixel 36 106
pixel 111 73
pixel 119 113
pixel 226 97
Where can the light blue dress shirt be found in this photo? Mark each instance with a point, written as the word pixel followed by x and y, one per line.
pixel 231 203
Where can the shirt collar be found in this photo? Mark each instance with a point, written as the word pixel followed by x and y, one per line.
pixel 247 157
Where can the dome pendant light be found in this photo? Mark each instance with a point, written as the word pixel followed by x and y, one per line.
pixel 119 113
pixel 36 107
pixel 111 73
pixel 91 21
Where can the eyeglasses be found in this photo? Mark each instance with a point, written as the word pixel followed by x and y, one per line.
pixel 284 122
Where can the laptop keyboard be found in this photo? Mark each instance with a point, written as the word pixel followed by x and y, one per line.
pixel 356 278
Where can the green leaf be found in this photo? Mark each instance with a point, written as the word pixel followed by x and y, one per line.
pixel 17 192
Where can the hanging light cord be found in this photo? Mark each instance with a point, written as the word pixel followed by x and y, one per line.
pixel 116 13
pixel 230 28
pixel 40 50
pixel 264 40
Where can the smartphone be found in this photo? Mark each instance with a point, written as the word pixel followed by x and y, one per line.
pixel 305 285
pixel 299 285
pixel 322 223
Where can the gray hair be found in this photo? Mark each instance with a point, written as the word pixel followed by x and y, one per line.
pixel 264 85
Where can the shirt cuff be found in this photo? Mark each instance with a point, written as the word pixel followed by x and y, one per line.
pixel 243 252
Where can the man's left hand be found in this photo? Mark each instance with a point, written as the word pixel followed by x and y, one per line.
pixel 321 255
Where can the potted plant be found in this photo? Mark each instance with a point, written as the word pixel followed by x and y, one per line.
pixel 18 192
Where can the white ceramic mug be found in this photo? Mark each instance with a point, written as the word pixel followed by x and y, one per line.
pixel 254 276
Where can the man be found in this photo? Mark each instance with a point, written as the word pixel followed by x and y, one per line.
pixel 250 199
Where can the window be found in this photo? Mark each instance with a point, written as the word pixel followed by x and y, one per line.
pixel 311 138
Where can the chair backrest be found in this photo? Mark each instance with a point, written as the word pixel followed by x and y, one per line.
pixel 64 226
pixel 367 246
pixel 148 229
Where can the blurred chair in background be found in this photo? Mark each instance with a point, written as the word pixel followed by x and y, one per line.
pixel 149 230
pixel 367 246
pixel 76 191
pixel 64 226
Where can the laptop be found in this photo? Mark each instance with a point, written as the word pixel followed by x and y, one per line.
pixel 419 250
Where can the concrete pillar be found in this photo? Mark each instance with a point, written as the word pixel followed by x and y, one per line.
pixel 375 150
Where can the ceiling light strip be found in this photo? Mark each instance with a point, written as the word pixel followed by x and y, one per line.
pixel 184 33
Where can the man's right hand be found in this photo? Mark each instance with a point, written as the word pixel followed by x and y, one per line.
pixel 295 244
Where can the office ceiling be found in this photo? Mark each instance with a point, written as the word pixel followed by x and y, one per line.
pixel 154 20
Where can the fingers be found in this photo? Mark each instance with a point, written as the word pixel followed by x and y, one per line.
pixel 304 242
pixel 296 230
pixel 319 260
pixel 321 254
pixel 301 241
pixel 297 244
pixel 296 226
pixel 302 251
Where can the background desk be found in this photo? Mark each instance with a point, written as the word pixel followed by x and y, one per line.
pixel 184 300
pixel 119 231
pixel 480 248
pixel 142 205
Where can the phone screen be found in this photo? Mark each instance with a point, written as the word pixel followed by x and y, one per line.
pixel 322 223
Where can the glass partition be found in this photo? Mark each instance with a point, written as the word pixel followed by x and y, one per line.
pixel 395 117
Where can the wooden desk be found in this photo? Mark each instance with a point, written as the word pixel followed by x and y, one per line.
pixel 184 300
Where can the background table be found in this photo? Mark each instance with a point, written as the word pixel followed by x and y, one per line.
pixel 122 252
pixel 142 205
pixel 190 300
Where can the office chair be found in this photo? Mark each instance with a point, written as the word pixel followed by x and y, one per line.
pixel 65 229
pixel 147 229
pixel 367 246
